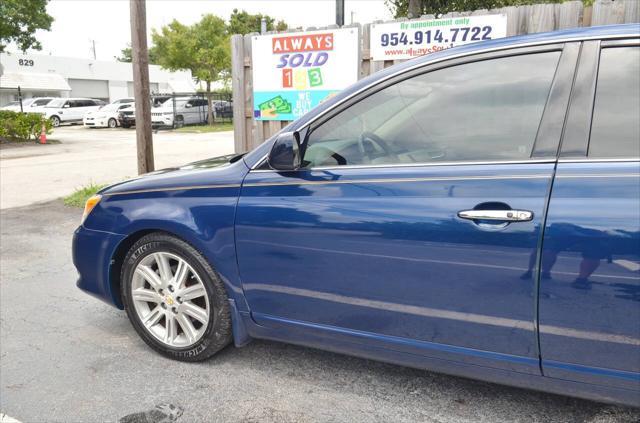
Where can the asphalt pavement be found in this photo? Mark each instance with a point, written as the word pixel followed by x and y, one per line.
pixel 65 356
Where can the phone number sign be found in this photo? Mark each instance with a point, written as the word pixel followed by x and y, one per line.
pixel 294 72
pixel 404 40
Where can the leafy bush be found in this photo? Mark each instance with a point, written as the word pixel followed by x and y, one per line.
pixel 15 126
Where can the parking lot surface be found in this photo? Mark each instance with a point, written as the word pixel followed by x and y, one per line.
pixel 68 357
pixel 35 173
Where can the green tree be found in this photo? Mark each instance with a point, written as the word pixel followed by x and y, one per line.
pixel 400 8
pixel 125 55
pixel 203 48
pixel 245 23
pixel 19 20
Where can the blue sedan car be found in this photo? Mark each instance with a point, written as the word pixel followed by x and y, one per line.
pixel 474 212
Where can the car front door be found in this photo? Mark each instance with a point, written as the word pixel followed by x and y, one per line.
pixel 590 285
pixel 68 110
pixel 417 217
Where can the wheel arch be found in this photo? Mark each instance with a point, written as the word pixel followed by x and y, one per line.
pixel 239 330
pixel 115 266
pixel 117 260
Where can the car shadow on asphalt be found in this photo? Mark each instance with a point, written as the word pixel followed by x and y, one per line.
pixel 338 372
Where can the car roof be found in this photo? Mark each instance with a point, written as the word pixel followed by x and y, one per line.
pixel 573 34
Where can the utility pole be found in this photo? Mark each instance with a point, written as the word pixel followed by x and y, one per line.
pixel 20 98
pixel 140 56
pixel 415 9
pixel 340 12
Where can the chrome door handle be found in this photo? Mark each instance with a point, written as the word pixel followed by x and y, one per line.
pixel 500 215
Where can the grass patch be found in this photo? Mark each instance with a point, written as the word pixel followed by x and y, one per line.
pixel 201 129
pixel 80 196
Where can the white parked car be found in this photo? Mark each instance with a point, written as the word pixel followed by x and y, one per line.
pixel 106 116
pixel 29 105
pixel 64 110
pixel 187 111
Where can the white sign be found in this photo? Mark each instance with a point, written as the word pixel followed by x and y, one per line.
pixel 294 72
pixel 404 40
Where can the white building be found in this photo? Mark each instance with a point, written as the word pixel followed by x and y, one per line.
pixel 42 75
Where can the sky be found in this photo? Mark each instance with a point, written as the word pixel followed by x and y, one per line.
pixel 80 22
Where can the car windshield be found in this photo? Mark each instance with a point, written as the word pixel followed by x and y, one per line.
pixel 12 103
pixel 56 103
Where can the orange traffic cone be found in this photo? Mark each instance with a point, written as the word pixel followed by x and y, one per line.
pixel 43 134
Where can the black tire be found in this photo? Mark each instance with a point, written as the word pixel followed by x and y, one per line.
pixel 126 125
pixel 218 333
pixel 55 121
pixel 178 122
pixel 112 123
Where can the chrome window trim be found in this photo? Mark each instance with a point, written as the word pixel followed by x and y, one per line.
pixel 456 56
pixel 620 43
pixel 402 165
pixel 596 160
pixel 393 180
pixel 599 175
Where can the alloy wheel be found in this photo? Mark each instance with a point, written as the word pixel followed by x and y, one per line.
pixel 170 299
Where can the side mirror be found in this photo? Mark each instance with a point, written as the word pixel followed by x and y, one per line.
pixel 66 106
pixel 285 153
pixel 188 105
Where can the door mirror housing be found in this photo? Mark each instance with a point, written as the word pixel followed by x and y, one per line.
pixel 66 106
pixel 188 105
pixel 285 153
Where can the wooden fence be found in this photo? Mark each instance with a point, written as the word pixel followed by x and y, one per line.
pixel 249 133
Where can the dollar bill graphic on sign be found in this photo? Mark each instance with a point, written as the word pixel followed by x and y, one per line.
pixel 277 104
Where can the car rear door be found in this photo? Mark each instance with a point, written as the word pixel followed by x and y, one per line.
pixel 194 111
pixel 78 108
pixel 89 106
pixel 590 285
pixel 417 220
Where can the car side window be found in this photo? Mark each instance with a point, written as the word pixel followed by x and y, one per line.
pixel 485 110
pixel 615 127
